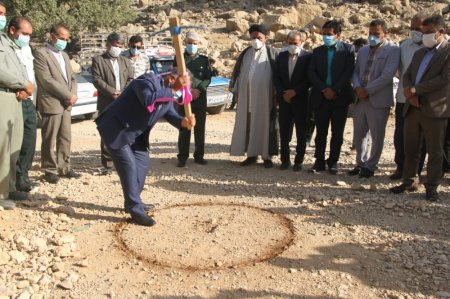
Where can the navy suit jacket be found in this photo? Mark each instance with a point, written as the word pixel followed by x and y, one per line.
pixel 127 119
pixel 299 79
pixel 342 71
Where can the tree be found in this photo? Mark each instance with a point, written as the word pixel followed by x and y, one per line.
pixel 78 15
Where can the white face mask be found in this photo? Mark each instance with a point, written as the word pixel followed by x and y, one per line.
pixel 257 44
pixel 293 49
pixel 115 51
pixel 429 40
pixel 415 36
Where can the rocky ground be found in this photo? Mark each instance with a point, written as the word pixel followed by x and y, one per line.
pixel 224 231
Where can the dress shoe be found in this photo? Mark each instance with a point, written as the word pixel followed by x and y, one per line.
pixel 431 194
pixel 23 186
pixel 143 219
pixel 248 161
pixel 297 167
pixel 268 163
pixel 71 175
pixel 333 168
pixel 354 171
pixel 396 175
pixel 7 204
pixel 366 173
pixel 51 178
pixel 318 166
pixel 181 163
pixel 410 187
pixel 17 195
pixel 147 207
pixel 200 161
pixel 285 165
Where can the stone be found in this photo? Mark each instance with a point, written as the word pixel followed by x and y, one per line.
pixel 65 239
pixel 38 244
pixel 22 284
pixel 4 258
pixel 83 263
pixel 341 183
pixel 18 256
pixel 24 295
pixel 390 205
pixel 281 35
pixel 240 25
pixel 66 284
pixel 37 296
pixel 292 270
pixel 442 294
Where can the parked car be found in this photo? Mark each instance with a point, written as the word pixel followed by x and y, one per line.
pixel 218 92
pixel 86 104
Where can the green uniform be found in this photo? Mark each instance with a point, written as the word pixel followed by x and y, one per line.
pixel 201 73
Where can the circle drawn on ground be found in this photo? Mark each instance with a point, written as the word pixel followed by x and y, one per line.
pixel 203 236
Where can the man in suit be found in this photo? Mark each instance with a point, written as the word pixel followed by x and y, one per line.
pixel 14 88
pixel 201 73
pixel 111 73
pixel 375 69
pixel 330 71
pixel 125 125
pixel 292 85
pixel 426 89
pixel 57 93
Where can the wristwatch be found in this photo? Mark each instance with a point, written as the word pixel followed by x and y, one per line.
pixel 413 90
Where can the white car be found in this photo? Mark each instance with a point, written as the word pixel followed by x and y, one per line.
pixel 86 104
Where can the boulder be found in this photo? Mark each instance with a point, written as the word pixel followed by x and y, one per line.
pixel 306 13
pixel 392 6
pixel 281 35
pixel 277 21
pixel 240 25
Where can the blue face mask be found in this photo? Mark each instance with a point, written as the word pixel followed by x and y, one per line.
pixel 374 40
pixel 22 41
pixel 328 40
pixel 60 44
pixel 2 22
pixel 135 51
pixel 192 49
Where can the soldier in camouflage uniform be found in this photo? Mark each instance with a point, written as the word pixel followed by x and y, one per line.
pixel 201 73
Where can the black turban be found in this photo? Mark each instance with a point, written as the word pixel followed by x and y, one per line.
pixel 258 28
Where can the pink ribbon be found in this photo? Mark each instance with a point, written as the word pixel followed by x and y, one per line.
pixel 185 94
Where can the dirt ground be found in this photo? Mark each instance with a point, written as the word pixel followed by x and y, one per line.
pixel 225 231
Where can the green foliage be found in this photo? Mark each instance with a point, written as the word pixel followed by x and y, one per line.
pixel 78 15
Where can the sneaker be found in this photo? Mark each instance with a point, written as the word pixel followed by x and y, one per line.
pixel 7 204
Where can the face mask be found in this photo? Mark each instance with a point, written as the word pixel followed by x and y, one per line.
pixel 2 22
pixel 328 40
pixel 22 41
pixel 115 51
pixel 293 49
pixel 60 44
pixel 429 40
pixel 374 40
pixel 257 44
pixel 135 51
pixel 415 36
pixel 192 49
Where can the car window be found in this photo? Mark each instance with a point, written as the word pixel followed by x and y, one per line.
pixel 84 77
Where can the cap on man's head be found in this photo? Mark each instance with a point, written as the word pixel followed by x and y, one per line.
pixel 258 28
pixel 192 35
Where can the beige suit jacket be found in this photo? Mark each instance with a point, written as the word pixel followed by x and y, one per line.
pixel 53 89
pixel 434 87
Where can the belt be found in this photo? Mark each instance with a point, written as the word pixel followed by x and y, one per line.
pixel 6 89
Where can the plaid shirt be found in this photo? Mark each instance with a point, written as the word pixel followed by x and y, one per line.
pixel 140 66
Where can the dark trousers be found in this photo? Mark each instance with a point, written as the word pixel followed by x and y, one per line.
pixel 28 148
pixel 107 162
pixel 310 125
pixel 399 157
pixel 184 137
pixel 291 115
pixel 329 113
pixel 446 166
pixel 132 164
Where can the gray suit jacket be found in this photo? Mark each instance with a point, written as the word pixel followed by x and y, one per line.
pixel 434 87
pixel 104 79
pixel 384 67
pixel 53 91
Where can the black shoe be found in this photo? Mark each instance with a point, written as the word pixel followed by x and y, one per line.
pixel 147 207
pixel 285 165
pixel 396 175
pixel 248 161
pixel 431 194
pixel 23 186
pixel 181 163
pixel 355 171
pixel 17 195
pixel 143 219
pixel 51 178
pixel 318 166
pixel 72 175
pixel 404 187
pixel 200 161
pixel 366 173
pixel 297 167
pixel 106 171
pixel 333 168
pixel 268 163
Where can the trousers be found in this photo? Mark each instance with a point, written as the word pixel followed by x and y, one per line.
pixel 28 148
